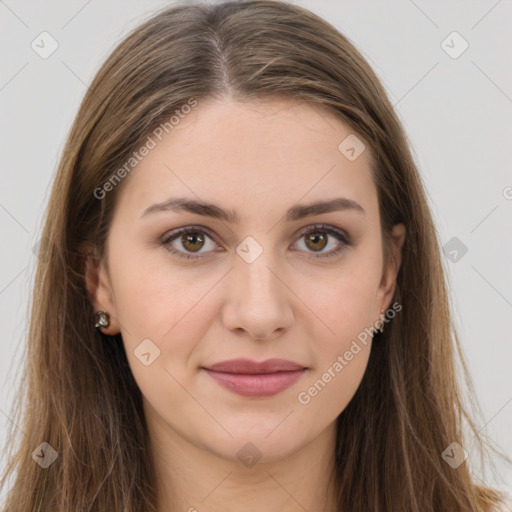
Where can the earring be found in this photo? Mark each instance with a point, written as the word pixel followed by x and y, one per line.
pixel 381 328
pixel 102 319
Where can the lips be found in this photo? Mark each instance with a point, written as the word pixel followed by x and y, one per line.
pixel 247 366
pixel 256 379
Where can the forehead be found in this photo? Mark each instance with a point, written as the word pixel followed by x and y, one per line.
pixel 262 155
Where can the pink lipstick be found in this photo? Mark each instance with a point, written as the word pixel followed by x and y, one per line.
pixel 256 379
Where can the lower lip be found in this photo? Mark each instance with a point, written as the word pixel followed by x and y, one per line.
pixel 256 385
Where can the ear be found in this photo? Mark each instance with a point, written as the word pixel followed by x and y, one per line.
pixel 388 283
pixel 99 288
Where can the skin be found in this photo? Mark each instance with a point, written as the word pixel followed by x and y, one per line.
pixel 258 159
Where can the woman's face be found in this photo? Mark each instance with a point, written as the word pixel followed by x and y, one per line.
pixel 248 277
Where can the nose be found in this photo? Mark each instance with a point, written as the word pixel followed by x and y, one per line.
pixel 259 301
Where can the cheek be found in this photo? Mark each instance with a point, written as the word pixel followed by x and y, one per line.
pixel 342 300
pixel 164 311
pixel 152 294
pixel 341 342
pixel 324 397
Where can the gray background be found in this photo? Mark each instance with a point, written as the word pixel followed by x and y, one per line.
pixel 456 111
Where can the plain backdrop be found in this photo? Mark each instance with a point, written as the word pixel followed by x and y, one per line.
pixel 455 103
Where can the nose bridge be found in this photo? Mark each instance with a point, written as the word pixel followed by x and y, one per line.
pixel 257 273
pixel 258 300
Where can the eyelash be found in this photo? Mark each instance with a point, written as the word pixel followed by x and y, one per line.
pixel 339 235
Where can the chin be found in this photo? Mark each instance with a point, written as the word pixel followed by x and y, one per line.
pixel 263 440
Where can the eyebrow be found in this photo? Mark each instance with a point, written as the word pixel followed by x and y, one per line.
pixel 296 212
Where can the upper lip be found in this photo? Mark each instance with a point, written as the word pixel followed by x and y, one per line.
pixel 255 367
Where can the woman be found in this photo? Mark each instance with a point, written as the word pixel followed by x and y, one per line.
pixel 241 301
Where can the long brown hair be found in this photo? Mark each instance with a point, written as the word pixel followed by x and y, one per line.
pixel 78 394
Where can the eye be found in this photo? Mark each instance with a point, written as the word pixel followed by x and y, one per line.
pixel 318 237
pixel 191 239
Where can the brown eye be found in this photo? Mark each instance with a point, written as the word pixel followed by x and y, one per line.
pixel 187 241
pixel 316 240
pixel 192 241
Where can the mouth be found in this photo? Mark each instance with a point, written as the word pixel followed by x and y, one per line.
pixel 256 379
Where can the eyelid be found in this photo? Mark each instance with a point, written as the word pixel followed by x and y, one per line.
pixel 337 233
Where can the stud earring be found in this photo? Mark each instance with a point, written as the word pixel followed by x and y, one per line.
pixel 381 328
pixel 102 319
